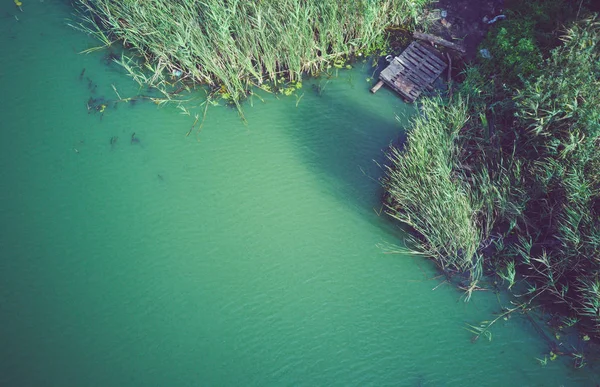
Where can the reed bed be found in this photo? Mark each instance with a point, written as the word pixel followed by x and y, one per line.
pixel 518 197
pixel 559 113
pixel 425 191
pixel 236 44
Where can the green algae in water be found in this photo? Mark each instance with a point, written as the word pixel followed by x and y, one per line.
pixel 255 260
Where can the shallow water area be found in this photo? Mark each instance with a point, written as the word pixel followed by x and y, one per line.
pixel 243 254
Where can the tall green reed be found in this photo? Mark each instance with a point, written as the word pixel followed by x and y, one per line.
pixel 234 44
pixel 521 195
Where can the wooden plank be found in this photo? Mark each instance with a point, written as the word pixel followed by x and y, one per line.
pixel 418 82
pixel 411 52
pixel 413 78
pixel 422 79
pixel 423 61
pixel 426 68
pixel 405 85
pixel 404 88
pixel 417 66
pixel 430 55
pixel 427 74
pixel 416 90
pixel 407 81
pixel 391 71
pixel 402 66
pixel 416 79
pixel 438 40
pixel 416 59
pixel 409 67
pixel 429 78
pixel 436 67
pixel 423 82
pixel 376 87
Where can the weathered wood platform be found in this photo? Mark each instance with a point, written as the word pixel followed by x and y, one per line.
pixel 411 72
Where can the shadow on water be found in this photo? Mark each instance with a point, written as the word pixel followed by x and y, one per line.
pixel 345 139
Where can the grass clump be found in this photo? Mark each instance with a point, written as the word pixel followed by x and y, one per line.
pixel 233 45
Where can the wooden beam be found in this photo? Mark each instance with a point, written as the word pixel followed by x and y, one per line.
pixel 376 87
pixel 440 41
pixel 449 75
pixel 449 67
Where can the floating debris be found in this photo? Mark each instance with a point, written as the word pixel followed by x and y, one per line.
pixel 495 19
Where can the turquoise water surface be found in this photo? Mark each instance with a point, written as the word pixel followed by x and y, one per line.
pixel 243 255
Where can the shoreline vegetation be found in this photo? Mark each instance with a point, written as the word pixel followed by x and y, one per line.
pixel 233 45
pixel 501 182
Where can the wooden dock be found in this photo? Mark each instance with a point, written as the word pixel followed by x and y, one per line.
pixel 411 72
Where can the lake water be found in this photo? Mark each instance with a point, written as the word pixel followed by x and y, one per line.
pixel 243 255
